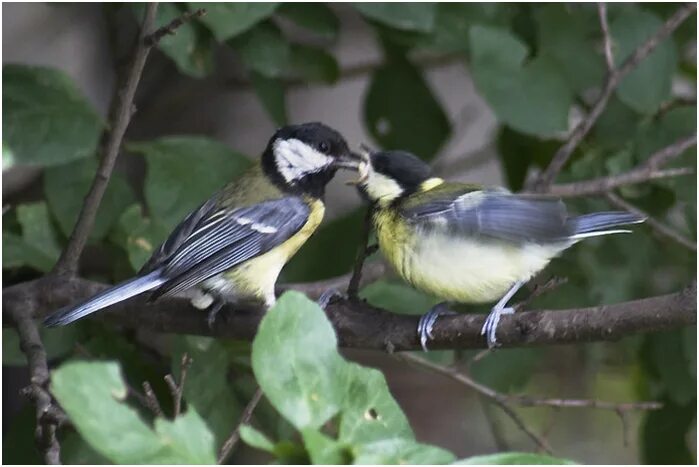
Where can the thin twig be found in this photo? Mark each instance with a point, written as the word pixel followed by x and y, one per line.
pixel 119 122
pixel 170 28
pixel 504 401
pixel 653 223
pixel 177 389
pixel 612 82
pixel 499 399
pixel 30 343
pixel 151 401
pixel 606 36
pixel 362 253
pixel 234 437
pixel 650 169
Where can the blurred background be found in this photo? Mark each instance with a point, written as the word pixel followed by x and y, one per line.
pixel 486 92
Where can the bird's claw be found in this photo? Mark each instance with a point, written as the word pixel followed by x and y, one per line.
pixel 491 324
pixel 213 312
pixel 328 296
pixel 426 323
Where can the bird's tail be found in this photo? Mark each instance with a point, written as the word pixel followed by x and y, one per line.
pixel 602 223
pixel 104 299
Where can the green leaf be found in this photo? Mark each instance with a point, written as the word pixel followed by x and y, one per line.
pixel 270 91
pixel 645 88
pixel 255 438
pixel 397 297
pixel 65 187
pixel 207 388
pixel 206 164
pixel 514 458
pixel 75 450
pixel 139 235
pixel 400 111
pixel 568 35
pixel 306 385
pixel 58 342
pixel 264 49
pixel 92 394
pixel 313 64
pixel 531 97
pixel 672 365
pixel 46 120
pixel 408 16
pixel 316 17
pixel 324 450
pixel 454 20
pixel 369 412
pixel 191 47
pixel 37 246
pixel 188 438
pixel 226 20
pixel 401 451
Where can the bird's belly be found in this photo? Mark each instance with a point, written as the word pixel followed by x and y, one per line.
pixel 463 270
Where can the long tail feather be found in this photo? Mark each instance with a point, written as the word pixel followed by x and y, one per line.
pixel 602 223
pixel 109 297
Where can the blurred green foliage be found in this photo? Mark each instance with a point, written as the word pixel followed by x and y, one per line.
pixel 535 65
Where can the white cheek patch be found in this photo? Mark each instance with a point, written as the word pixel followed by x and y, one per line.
pixel 295 159
pixel 382 188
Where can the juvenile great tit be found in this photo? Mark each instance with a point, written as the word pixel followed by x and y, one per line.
pixel 467 243
pixel 233 247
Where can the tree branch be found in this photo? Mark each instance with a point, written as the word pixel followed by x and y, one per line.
pixel 119 121
pixel 31 345
pixel 234 437
pixel 360 325
pixel 606 36
pixel 611 83
pixel 506 401
pixel 648 170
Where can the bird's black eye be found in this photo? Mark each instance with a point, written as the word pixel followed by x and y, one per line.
pixel 324 146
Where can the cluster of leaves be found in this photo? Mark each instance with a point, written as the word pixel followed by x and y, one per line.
pixel 534 65
pixel 341 412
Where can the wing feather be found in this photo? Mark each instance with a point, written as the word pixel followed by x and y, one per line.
pixel 494 213
pixel 212 240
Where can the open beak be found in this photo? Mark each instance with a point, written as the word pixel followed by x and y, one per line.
pixel 363 167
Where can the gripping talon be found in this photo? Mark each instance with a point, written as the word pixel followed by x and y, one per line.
pixel 426 323
pixel 490 326
pixel 328 296
pixel 213 312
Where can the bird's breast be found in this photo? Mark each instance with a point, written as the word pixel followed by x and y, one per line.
pixel 458 268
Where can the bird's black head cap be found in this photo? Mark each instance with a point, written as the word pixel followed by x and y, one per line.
pixel 305 157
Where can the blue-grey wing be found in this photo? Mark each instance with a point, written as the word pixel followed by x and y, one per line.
pixel 496 214
pixel 225 238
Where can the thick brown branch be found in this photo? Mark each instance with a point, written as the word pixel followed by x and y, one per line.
pixel 360 325
pixel 612 82
pixel 234 437
pixel 659 227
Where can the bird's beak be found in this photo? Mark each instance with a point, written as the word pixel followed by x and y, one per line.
pixel 364 157
pixel 350 160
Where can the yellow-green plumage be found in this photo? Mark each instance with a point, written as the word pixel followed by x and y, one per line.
pixel 453 267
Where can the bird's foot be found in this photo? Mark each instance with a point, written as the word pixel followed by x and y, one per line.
pixel 213 310
pixel 329 296
pixel 426 323
pixel 491 324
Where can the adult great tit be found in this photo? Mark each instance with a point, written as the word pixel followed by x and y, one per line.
pixel 467 243
pixel 233 247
